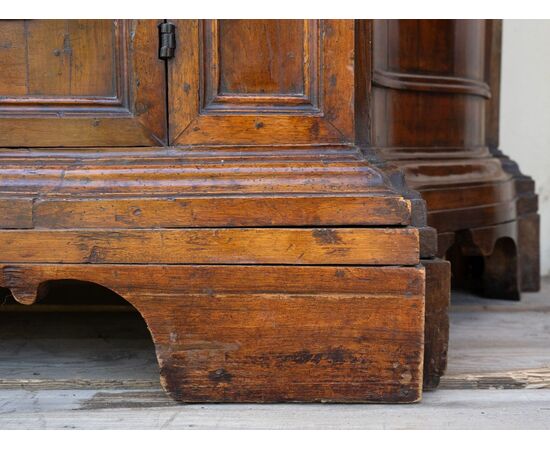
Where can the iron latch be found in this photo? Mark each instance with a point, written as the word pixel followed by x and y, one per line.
pixel 167 40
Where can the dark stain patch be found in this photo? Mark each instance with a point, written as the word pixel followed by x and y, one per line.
pixel 332 355
pixel 314 129
pixel 303 357
pixel 141 108
pixel 209 291
pixel 326 236
pixel 186 88
pixel 340 273
pixel 332 80
pixel 327 30
pixel 330 115
pixel 258 125
pixel 6 44
pixel 338 252
pixel 94 256
pixel 407 395
pixel 220 376
pixel 149 398
pixel 67 49
pixel 95 123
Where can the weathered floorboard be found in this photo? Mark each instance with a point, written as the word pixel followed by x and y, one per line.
pixel 151 409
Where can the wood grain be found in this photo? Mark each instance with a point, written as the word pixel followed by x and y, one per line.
pixel 238 211
pixel 49 57
pixel 174 173
pixel 13 80
pixel 278 63
pixel 16 213
pixel 212 279
pixel 214 246
pixel 115 377
pixel 436 337
pixel 360 340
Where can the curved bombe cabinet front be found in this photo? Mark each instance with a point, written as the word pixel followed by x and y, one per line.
pixel 229 195
pixel 435 103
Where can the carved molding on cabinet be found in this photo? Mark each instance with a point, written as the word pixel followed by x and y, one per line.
pixel 431 83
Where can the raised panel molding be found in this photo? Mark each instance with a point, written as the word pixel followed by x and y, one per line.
pixel 306 100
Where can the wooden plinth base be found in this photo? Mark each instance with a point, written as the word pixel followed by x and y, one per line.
pixel 496 261
pixel 287 280
pixel 436 336
pixel 269 333
pixel 493 220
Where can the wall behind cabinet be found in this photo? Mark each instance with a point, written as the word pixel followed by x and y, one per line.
pixel 525 111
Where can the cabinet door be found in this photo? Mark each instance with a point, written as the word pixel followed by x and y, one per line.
pixel 262 82
pixel 81 83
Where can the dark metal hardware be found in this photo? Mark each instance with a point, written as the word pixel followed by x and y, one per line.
pixel 167 40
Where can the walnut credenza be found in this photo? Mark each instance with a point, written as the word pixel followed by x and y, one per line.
pixel 239 183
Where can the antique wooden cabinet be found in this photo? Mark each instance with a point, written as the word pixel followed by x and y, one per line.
pixel 221 176
pixel 435 114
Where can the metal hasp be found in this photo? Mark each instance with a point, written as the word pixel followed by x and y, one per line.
pixel 167 40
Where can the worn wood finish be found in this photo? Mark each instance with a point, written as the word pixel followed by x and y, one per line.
pixel 150 409
pixel 436 334
pixel 214 246
pixel 528 228
pixel 239 207
pixel 435 100
pixel 175 172
pixel 81 349
pixel 16 212
pixel 229 211
pixel 334 334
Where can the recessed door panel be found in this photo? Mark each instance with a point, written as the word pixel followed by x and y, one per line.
pixel 278 63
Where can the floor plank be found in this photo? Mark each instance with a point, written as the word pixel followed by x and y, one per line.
pixel 497 337
pixel 443 409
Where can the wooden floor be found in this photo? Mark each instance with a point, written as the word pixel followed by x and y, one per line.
pixel 74 370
